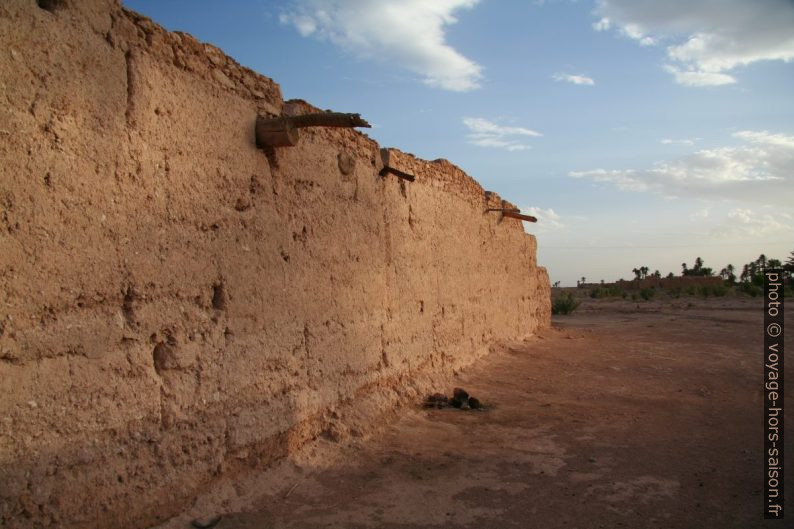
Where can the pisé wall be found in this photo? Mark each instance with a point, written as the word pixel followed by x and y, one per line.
pixel 178 305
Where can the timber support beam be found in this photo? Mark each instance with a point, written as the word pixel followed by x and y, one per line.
pixel 284 131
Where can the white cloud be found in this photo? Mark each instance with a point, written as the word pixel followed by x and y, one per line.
pixel 548 219
pixel 699 77
pixel 700 214
pixel 625 179
pixel 708 38
pixel 668 141
pixel 304 24
pixel 761 170
pixel 602 25
pixel 484 126
pixel 575 79
pixel 742 222
pixel 509 145
pixel 485 133
pixel 633 31
pixel 407 33
pixel 764 137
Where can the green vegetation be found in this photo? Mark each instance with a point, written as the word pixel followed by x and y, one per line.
pixel 697 270
pixel 719 290
pixel 753 272
pixel 646 285
pixel 607 291
pixel 711 290
pixel 749 288
pixel 642 273
pixel 750 282
pixel 564 304
pixel 647 293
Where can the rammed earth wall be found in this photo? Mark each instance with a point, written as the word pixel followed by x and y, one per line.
pixel 177 304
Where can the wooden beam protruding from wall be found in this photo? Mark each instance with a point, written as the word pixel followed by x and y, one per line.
pixel 385 156
pixel 283 131
pixel 514 213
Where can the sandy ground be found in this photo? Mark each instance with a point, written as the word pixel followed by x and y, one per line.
pixel 622 415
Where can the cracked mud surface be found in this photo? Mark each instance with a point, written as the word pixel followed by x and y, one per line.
pixel 615 417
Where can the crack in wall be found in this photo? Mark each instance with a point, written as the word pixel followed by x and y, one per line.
pixel 129 61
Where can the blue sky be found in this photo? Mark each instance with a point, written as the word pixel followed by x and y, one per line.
pixel 640 133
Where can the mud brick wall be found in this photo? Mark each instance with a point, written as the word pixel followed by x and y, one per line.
pixel 176 304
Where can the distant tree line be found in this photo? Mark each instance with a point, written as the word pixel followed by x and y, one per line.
pixel 642 273
pixel 752 272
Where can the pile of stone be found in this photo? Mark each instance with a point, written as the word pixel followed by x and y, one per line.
pixel 460 400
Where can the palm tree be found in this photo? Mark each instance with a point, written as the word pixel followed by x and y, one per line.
pixel 698 264
pixel 731 275
pixel 745 273
pixel 789 266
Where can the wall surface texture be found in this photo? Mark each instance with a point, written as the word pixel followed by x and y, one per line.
pixel 177 304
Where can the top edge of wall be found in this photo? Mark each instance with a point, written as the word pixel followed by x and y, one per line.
pixel 133 33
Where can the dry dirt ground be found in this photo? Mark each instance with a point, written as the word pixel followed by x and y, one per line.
pixel 623 415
